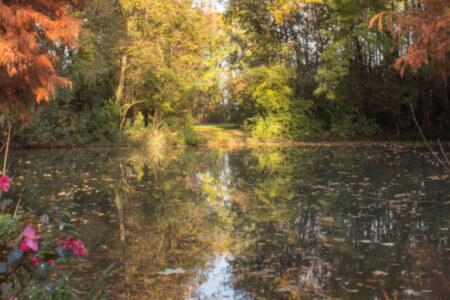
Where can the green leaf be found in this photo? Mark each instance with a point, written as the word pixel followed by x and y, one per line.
pixel 100 279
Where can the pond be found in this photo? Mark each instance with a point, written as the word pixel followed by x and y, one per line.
pixel 266 223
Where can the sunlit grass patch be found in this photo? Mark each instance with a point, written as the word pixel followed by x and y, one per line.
pixel 221 134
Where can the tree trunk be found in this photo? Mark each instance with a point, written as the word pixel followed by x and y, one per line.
pixel 120 87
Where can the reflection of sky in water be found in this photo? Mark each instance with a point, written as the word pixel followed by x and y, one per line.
pixel 216 287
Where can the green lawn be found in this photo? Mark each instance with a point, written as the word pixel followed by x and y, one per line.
pixel 221 133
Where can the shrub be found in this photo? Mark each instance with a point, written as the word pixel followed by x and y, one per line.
pixel 152 136
pixel 353 126
pixel 26 271
pixel 269 128
pixel 301 123
pixel 60 125
pixel 304 127
pixel 187 136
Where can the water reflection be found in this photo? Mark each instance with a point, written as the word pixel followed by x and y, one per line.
pixel 272 223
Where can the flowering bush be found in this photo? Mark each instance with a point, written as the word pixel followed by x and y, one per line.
pixel 25 266
pixel 29 270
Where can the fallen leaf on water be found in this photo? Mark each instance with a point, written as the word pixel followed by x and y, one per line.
pixel 339 239
pixel 379 273
pixel 366 241
pixel 411 292
pixel 169 271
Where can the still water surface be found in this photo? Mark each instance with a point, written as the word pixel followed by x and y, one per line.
pixel 270 223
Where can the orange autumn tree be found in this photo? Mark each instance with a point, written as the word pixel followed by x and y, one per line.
pixel 422 33
pixel 30 31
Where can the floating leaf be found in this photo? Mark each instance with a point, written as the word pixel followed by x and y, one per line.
pixel 172 271
pixel 339 239
pixel 379 273
pixel 365 241
pixel 15 256
pixel 388 244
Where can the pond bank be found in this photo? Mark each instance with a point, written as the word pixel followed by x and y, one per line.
pixel 229 136
pixel 233 136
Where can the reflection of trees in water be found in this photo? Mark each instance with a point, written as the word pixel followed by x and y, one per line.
pixel 167 226
pixel 141 208
pixel 324 240
pixel 296 226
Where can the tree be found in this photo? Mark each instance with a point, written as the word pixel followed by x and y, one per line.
pixel 422 34
pixel 30 34
pixel 164 57
pixel 93 68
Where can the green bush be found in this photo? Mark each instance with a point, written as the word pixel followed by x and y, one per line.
pixel 187 136
pixel 354 126
pixel 304 127
pixel 58 124
pixel 269 128
pixel 301 123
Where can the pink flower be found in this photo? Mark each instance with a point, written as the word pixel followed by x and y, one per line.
pixel 70 243
pixel 37 261
pixel 12 298
pixel 5 183
pixel 31 238
pixel 79 249
pixel 25 248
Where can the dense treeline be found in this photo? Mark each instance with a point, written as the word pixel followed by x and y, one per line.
pixel 282 68
pixel 307 67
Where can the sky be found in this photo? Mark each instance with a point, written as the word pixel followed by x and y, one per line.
pixel 216 5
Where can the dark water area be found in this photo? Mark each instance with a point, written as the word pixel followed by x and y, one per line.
pixel 270 223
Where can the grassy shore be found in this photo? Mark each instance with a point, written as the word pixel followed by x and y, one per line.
pixel 232 135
